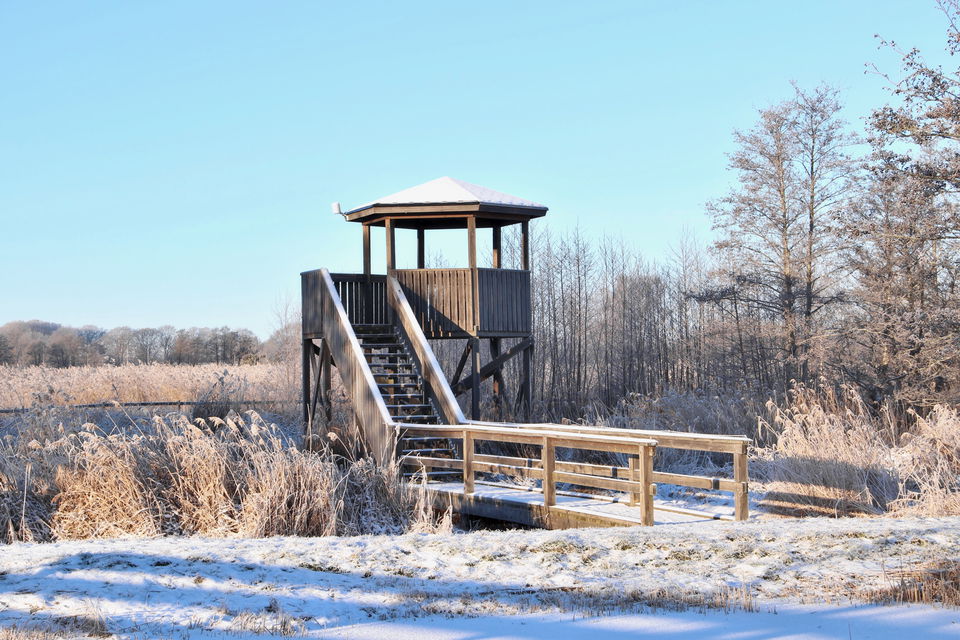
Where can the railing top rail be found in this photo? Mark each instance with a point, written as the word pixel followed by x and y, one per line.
pixel 665 439
pixel 532 434
pixel 651 433
pixel 357 277
pixel 401 271
pixel 435 270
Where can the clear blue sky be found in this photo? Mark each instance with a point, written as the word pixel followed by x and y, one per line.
pixel 174 162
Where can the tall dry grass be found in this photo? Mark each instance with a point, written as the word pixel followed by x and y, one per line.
pixel 44 386
pixel 836 455
pixel 821 451
pixel 168 475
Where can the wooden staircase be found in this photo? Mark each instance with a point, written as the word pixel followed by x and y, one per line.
pixel 404 392
pixel 396 376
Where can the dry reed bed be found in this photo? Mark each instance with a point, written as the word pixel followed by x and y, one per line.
pixel 823 451
pixel 40 386
pixel 836 455
pixel 172 476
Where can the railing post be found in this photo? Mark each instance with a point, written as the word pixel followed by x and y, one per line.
pixel 633 462
pixel 648 488
pixel 547 458
pixel 468 485
pixel 741 496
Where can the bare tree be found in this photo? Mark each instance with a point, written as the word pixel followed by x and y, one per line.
pixel 776 241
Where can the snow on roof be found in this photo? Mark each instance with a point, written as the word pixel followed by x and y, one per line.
pixel 448 190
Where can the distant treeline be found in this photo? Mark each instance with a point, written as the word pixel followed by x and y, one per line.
pixel 36 342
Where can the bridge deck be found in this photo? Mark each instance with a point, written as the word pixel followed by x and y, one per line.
pixel 525 506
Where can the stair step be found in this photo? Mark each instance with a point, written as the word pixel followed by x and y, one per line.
pixel 365 337
pixel 372 327
pixel 392 365
pixel 408 406
pixel 389 374
pixel 398 385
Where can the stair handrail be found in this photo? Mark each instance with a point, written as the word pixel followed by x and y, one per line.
pixel 436 381
pixel 376 425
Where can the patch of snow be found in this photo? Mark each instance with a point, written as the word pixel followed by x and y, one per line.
pixel 800 575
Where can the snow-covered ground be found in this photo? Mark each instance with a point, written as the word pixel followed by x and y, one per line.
pixel 801 576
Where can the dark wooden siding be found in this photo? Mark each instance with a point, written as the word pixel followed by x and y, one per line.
pixel 504 302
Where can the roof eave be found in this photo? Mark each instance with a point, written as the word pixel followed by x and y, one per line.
pixel 413 209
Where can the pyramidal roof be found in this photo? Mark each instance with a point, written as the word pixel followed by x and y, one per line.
pixel 448 190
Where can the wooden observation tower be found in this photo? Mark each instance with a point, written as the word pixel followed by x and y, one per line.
pixel 474 304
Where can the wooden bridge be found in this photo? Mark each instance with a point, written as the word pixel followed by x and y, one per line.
pixel 375 330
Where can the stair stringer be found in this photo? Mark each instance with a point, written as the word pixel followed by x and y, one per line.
pixel 378 431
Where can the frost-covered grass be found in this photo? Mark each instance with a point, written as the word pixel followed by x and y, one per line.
pixel 167 475
pixel 42 386
pixel 670 580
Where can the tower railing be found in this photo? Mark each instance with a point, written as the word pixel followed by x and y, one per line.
pixel 451 303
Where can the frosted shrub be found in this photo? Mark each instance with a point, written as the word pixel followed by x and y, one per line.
pixel 929 461
pixel 830 454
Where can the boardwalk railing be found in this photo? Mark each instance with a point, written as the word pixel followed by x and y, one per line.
pixel 636 481
pixel 734 445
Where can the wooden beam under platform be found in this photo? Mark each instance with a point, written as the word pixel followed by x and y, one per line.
pixel 494 366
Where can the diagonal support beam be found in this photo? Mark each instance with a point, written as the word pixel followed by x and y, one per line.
pixel 463 360
pixel 491 367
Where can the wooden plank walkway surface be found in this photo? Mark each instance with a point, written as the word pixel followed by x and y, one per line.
pixel 522 505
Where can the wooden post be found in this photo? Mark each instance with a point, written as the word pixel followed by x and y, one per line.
pixel 474 277
pixel 366 251
pixel 475 379
pixel 499 388
pixel 306 348
pixel 527 383
pixel 472 242
pixel 525 245
pixel 391 245
pixel 633 462
pixel 498 384
pixel 649 488
pixel 741 500
pixel 325 380
pixel 421 249
pixel 368 281
pixel 548 462
pixel 468 484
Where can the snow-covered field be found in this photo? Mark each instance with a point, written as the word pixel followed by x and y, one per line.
pixel 802 578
